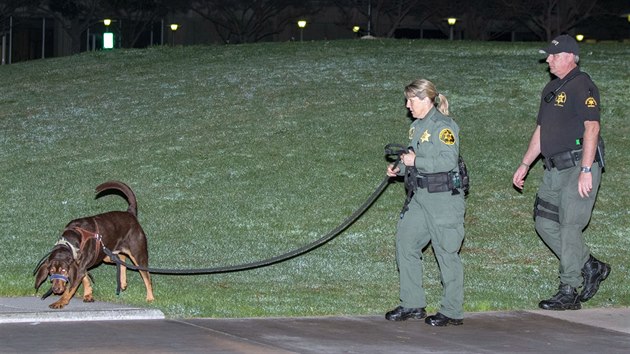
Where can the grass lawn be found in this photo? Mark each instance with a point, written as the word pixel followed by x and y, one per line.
pixel 239 153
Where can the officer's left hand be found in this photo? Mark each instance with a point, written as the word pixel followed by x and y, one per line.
pixel 585 184
pixel 392 171
pixel 408 159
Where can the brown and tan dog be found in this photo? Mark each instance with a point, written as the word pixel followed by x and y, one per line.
pixel 80 248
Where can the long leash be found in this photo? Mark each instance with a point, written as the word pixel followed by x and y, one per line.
pixel 390 149
pixel 246 266
pixel 266 262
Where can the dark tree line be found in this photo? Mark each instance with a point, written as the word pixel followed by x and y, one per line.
pixel 254 20
pixel 241 21
pixel 545 18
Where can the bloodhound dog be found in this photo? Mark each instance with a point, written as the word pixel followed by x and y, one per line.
pixel 80 248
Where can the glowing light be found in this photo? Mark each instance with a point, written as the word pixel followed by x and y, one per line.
pixel 108 40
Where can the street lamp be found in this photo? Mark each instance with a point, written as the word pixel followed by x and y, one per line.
pixel 579 37
pixel 627 16
pixel 301 24
pixel 108 37
pixel 356 29
pixel 174 27
pixel 451 22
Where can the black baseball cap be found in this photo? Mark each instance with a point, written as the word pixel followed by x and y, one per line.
pixel 562 44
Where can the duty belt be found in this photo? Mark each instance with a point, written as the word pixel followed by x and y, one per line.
pixel 572 158
pixel 437 182
pixel 433 183
pixel 567 159
pixel 563 160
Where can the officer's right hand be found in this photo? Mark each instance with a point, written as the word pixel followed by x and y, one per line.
pixel 519 176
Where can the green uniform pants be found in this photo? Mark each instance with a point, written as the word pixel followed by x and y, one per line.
pixel 437 218
pixel 564 238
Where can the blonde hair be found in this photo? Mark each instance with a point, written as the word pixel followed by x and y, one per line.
pixel 422 88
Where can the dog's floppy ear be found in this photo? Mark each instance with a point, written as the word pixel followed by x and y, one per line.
pixel 74 272
pixel 41 273
pixel 41 261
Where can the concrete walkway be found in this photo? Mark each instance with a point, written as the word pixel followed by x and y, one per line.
pixel 28 326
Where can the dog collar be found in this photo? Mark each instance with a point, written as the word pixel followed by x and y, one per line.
pixel 62 241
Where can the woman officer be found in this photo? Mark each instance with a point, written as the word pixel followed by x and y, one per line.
pixel 435 212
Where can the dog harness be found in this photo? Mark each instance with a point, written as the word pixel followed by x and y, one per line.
pixel 85 236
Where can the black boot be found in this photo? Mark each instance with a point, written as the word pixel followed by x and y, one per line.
pixel 403 313
pixel 440 320
pixel 566 299
pixel 594 272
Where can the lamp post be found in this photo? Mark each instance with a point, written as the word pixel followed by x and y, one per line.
pixel 6 56
pixel 174 27
pixel 108 37
pixel 301 24
pixel 369 22
pixel 356 29
pixel 451 22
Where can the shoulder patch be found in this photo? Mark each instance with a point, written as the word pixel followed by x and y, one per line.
pixel 447 136
pixel 591 102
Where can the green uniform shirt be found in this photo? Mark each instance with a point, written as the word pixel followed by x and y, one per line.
pixel 435 139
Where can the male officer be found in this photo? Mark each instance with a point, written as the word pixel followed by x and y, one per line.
pixel 567 136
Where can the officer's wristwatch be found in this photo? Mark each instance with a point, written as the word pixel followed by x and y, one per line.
pixel 586 169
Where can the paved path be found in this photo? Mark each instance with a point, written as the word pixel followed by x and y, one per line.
pixel 28 326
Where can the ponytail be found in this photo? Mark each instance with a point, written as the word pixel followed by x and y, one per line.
pixel 441 103
pixel 422 88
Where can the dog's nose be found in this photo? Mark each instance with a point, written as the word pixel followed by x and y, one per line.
pixel 58 287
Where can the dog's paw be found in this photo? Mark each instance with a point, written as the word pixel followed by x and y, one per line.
pixel 88 298
pixel 57 305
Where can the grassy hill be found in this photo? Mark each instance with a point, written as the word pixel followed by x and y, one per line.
pixel 240 153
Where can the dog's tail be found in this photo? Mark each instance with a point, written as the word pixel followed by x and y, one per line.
pixel 122 188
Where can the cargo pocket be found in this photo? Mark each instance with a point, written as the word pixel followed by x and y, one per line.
pixel 451 237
